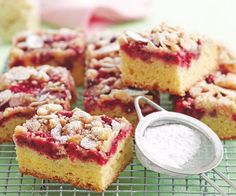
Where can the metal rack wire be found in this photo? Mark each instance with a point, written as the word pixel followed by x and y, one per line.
pixel 135 180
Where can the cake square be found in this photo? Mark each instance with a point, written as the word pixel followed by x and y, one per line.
pixel 24 89
pixel 166 58
pixel 62 47
pixel 105 93
pixel 213 101
pixel 74 147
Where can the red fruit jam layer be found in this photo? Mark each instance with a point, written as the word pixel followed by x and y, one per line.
pixel 32 86
pixel 186 105
pixel 182 58
pixel 234 117
pixel 92 102
pixel 43 143
pixel 4 120
pixel 28 86
pixel 73 57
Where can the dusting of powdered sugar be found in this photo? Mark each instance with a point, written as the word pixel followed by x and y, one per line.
pixel 171 144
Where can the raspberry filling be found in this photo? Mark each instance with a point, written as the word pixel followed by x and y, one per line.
pixel 74 151
pixel 44 144
pixel 73 52
pixel 32 86
pixel 41 58
pixel 27 86
pixel 40 142
pixel 234 117
pixel 14 115
pixel 210 79
pixel 66 113
pixel 182 58
pixel 186 105
pixel 59 38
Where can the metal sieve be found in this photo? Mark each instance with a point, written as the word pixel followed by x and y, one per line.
pixel 208 156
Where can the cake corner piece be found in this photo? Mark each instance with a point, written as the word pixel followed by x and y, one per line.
pixel 74 147
pixel 62 47
pixel 166 58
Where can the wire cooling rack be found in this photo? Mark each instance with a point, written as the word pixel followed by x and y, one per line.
pixel 134 180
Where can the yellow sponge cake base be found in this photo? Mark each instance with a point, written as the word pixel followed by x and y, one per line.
pixel 222 125
pixel 88 175
pixel 7 128
pixel 157 75
pixel 77 72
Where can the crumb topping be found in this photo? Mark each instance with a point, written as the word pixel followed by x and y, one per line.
pixel 58 39
pixel 220 87
pixel 99 70
pixel 227 60
pixel 163 38
pixel 225 55
pixel 44 73
pixel 106 62
pixel 212 96
pixel 125 95
pixel 113 88
pixel 89 132
pixel 103 45
pixel 31 87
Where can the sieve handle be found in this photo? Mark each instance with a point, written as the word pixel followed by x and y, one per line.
pixel 148 101
pixel 232 184
pixel 215 186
